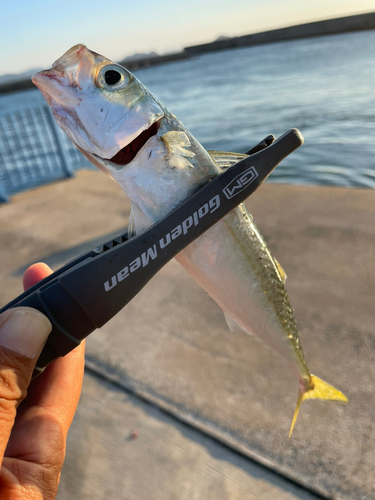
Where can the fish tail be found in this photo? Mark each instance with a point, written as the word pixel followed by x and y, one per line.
pixel 318 390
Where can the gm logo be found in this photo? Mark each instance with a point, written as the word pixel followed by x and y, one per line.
pixel 240 182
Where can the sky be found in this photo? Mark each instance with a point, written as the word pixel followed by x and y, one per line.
pixel 35 33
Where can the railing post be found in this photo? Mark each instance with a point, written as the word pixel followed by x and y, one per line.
pixel 60 148
pixel 3 194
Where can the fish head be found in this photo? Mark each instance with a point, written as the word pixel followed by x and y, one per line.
pixel 100 105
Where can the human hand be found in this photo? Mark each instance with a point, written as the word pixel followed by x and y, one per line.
pixel 34 427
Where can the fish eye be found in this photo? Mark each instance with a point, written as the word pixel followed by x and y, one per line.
pixel 112 77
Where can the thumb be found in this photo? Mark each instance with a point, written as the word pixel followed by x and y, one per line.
pixel 23 332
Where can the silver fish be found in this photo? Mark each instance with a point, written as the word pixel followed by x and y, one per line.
pixel 126 132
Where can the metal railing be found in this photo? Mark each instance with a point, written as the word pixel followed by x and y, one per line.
pixel 34 151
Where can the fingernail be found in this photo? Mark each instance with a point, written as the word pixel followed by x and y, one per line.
pixel 24 330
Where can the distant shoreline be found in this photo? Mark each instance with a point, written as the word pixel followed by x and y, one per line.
pixel 347 24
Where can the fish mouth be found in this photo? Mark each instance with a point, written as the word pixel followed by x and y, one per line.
pixel 129 152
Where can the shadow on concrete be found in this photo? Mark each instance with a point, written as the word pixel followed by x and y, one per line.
pixel 63 256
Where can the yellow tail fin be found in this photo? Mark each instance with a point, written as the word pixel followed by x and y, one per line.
pixel 320 390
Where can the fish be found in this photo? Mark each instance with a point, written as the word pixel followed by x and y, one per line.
pixel 118 124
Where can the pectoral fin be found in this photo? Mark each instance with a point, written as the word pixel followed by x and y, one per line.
pixel 177 144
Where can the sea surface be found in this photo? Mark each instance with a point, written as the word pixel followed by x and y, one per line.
pixel 231 100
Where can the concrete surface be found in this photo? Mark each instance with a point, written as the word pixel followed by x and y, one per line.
pixel 170 345
pixel 121 447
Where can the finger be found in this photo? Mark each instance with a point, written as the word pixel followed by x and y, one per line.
pixel 23 332
pixel 58 389
pixel 50 405
pixel 35 273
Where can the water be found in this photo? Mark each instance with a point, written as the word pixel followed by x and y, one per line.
pixel 232 99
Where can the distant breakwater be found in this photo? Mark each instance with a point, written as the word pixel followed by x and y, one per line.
pixel 329 27
pixel 347 24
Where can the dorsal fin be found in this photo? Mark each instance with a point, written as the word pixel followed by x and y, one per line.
pixel 225 159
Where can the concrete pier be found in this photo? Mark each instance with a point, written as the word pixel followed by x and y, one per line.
pixel 174 406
